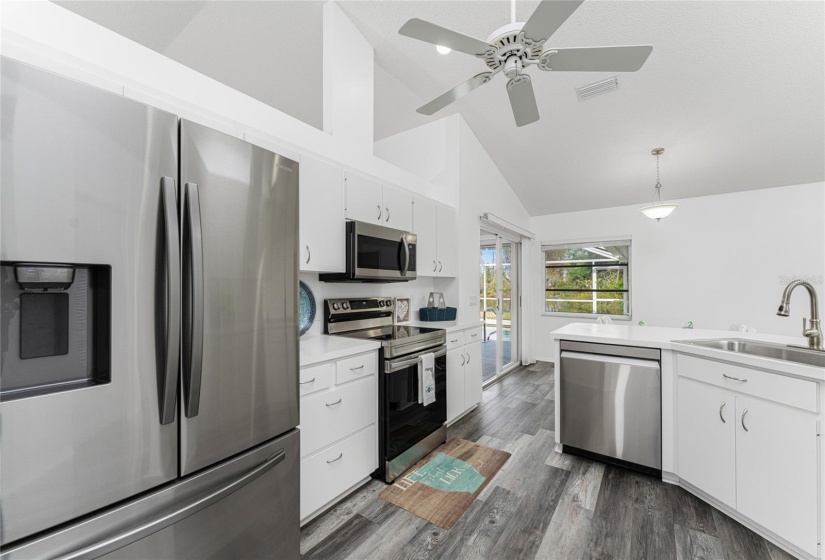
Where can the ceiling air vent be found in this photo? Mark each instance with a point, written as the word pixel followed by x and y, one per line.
pixel 602 86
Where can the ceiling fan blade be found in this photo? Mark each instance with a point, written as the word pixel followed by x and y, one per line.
pixel 595 59
pixel 454 94
pixel 437 35
pixel 548 17
pixel 522 100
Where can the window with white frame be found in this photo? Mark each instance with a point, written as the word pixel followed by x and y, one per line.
pixel 587 278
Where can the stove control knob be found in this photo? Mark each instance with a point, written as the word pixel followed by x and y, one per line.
pixel 389 303
pixel 336 306
pixel 381 303
pixel 345 305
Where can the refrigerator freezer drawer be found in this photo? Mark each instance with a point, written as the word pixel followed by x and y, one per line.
pixel 245 508
pixel 612 406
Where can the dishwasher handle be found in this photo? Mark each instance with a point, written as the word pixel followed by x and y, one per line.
pixel 652 364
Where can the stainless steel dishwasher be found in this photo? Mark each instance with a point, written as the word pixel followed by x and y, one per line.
pixel 611 404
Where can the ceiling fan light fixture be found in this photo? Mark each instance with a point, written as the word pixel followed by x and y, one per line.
pixel 443 50
pixel 658 209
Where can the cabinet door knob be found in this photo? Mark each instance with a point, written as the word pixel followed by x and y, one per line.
pixel 463 359
pixel 744 412
pixel 435 266
pixel 721 416
pixel 309 254
pixel 337 458
pixel 468 358
pixel 379 211
pixel 387 219
pixel 308 382
pixel 439 266
pixel 334 403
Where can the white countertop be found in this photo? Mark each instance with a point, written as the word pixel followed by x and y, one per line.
pixel 450 326
pixel 322 348
pixel 664 337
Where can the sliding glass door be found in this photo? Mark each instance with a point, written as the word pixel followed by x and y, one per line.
pixel 499 304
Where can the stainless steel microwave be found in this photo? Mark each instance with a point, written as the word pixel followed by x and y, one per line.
pixel 377 254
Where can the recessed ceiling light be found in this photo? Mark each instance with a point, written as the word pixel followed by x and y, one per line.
pixel 443 50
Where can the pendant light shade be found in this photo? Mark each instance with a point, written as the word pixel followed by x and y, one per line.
pixel 658 209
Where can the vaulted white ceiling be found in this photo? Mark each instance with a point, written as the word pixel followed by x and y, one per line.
pixel 734 90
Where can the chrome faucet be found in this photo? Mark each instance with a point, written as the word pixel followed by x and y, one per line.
pixel 810 330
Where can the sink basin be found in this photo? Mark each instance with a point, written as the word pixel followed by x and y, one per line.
pixel 764 349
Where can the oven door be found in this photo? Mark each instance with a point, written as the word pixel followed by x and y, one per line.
pixel 410 430
pixel 380 253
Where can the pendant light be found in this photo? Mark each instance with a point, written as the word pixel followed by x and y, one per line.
pixel 658 209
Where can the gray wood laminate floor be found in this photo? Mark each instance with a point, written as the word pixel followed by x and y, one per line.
pixel 541 505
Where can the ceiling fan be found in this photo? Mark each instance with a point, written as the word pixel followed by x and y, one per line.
pixel 513 48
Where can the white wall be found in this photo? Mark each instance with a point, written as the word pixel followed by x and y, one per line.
pixel 46 35
pixel 716 260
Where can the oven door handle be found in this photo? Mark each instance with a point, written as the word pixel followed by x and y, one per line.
pixel 391 366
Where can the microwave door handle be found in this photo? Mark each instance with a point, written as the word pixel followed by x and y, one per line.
pixel 168 392
pixel 406 255
pixel 192 374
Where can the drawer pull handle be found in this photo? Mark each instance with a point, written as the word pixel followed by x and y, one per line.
pixel 334 403
pixel 337 458
pixel 308 382
pixel 357 368
pixel 726 376
pixel 721 416
pixel 454 340
pixel 744 412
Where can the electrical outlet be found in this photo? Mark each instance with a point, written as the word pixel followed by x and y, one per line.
pixel 473 301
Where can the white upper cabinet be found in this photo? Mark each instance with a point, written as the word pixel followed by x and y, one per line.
pixel 398 209
pixel 365 202
pixel 447 242
pixel 435 227
pixel 425 227
pixel 370 201
pixel 322 230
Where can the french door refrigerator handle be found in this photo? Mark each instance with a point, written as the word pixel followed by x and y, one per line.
pixel 164 520
pixel 192 373
pixel 168 393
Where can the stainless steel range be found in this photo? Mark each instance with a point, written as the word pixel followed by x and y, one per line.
pixel 407 429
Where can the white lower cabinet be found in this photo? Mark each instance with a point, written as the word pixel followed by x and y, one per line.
pixel 740 443
pixel 339 428
pixel 707 436
pixel 776 470
pixel 463 372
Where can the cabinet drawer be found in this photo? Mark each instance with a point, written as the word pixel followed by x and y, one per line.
pixel 455 339
pixel 362 365
pixel 315 378
pixel 333 415
pixel 334 470
pixel 771 386
pixel 472 335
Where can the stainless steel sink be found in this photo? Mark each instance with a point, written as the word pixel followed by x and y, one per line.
pixel 763 349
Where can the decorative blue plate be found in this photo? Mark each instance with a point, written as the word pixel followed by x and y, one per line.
pixel 306 304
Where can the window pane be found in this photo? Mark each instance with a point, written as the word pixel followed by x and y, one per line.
pixel 610 307
pixel 590 268
pixel 610 279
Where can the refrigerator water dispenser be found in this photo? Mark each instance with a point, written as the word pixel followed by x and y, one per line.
pixel 56 327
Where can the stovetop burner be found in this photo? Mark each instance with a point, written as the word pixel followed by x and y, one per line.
pixel 372 318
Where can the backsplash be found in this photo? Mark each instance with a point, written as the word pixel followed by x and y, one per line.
pixel 417 290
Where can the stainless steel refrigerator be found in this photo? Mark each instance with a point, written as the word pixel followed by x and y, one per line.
pixel 149 375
